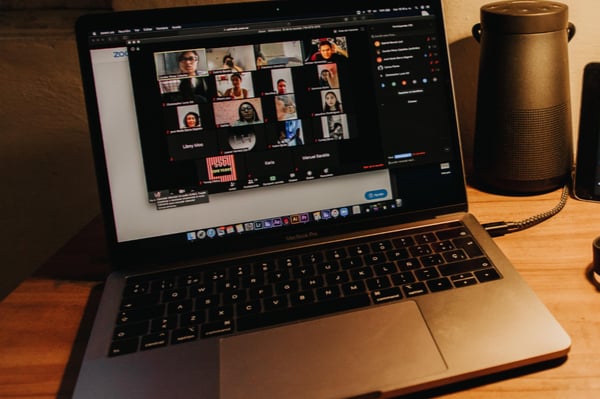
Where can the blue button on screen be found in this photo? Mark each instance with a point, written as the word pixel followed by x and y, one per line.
pixel 376 194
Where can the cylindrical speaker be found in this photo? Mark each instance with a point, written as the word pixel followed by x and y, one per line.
pixel 523 132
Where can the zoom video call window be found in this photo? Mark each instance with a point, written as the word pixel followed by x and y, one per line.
pixel 227 112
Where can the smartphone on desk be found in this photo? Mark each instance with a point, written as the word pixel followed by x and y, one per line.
pixel 586 182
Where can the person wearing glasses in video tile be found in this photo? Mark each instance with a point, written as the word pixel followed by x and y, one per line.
pixel 194 87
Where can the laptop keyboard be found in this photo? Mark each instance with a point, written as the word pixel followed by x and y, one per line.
pixel 186 305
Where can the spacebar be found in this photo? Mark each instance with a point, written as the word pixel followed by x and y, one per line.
pixel 302 312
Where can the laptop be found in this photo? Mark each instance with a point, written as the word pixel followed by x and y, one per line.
pixel 285 206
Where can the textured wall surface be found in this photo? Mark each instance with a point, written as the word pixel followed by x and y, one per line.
pixel 46 168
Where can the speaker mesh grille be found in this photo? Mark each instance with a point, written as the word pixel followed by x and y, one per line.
pixel 536 145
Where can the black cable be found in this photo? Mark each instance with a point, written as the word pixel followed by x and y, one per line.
pixel 497 229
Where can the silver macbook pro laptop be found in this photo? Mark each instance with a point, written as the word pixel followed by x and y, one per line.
pixel 286 211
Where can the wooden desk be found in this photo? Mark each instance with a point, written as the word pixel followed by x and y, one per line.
pixel 44 323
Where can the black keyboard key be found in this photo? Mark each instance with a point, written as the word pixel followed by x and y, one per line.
pixel 469 246
pixel 328 267
pixel 328 293
pixel 253 280
pixel 308 283
pixel 179 307
pixel 487 275
pixel 275 303
pixel 264 266
pixel 130 330
pixel 412 290
pixel 439 284
pixel 248 308
pixel 427 273
pixel 378 283
pixel 260 292
pixel 455 256
pixel 375 258
pixel 424 238
pixel 123 346
pixel 312 258
pixel 139 314
pixel 140 301
pixel 403 278
pixel 386 295
pixel 432 260
pixel 303 271
pixel 190 279
pixel 452 233
pixel 359 249
pixel 192 319
pixel 302 298
pixel 442 246
pixel 207 301
pixel 385 268
pixel 241 270
pixel 163 324
pixel 220 313
pixel 279 276
pixel 464 282
pixel 464 267
pixel 381 246
pixel 175 295
pixel 286 287
pixel 186 334
pixel 336 254
pixel 234 297
pixel 289 262
pixel 354 287
pixel 403 242
pixel 408 264
pixel 156 340
pixel 232 284
pixel 201 290
pixel 461 276
pixel 217 328
pixel 134 289
pixel 302 312
pixel 337 278
pixel 420 250
pixel 352 262
pixel 361 273
pixel 397 254
pixel 162 284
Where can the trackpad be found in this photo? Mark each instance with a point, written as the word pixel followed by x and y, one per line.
pixel 379 348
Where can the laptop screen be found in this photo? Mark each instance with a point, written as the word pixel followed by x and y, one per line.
pixel 284 121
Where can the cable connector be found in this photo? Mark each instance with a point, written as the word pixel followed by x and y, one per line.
pixel 498 229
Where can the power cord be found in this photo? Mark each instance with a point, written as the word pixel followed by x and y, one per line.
pixel 497 229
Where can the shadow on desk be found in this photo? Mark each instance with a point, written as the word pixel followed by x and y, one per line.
pixel 69 379
pixel 83 258
pixel 485 380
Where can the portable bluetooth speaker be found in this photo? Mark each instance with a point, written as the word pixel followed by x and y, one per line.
pixel 523 140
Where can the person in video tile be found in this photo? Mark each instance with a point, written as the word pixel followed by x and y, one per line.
pixel 330 52
pixel 236 91
pixel 188 63
pixel 191 120
pixel 193 88
pixel 229 63
pixel 332 103
pixel 247 115
pixel 281 86
pixel 328 76
pixel 285 105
